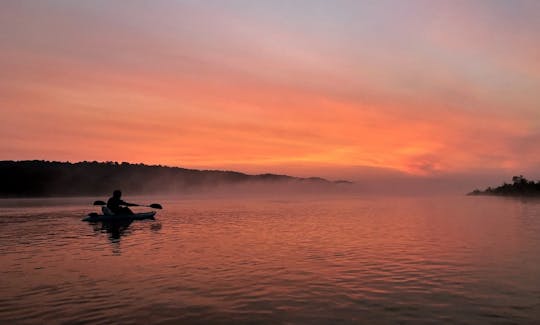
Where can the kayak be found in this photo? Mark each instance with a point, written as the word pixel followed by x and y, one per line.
pixel 103 217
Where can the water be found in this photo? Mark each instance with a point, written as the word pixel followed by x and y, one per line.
pixel 295 261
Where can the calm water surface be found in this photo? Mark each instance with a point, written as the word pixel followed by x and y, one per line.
pixel 296 261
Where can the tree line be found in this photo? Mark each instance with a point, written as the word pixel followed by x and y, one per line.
pixel 520 187
pixel 36 178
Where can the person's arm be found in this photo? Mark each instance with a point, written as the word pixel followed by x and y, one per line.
pixel 128 204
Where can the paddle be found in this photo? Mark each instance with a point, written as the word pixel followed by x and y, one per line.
pixel 153 205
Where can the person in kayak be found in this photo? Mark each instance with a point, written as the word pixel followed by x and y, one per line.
pixel 117 206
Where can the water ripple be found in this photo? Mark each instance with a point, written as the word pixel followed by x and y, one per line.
pixel 451 260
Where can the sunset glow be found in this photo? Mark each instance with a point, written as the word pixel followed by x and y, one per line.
pixel 420 87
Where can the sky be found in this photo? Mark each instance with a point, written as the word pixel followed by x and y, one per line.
pixel 340 89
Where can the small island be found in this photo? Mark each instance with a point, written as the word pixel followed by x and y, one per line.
pixel 520 187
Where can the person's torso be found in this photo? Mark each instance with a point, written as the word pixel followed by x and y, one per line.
pixel 113 203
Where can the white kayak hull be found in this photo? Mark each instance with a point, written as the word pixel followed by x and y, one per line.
pixel 137 216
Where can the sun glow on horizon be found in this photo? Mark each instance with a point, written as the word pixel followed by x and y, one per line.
pixel 270 85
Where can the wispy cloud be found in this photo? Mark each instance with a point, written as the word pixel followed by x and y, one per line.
pixel 426 88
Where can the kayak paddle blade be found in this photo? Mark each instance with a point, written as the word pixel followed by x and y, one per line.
pixel 156 206
pixel 99 203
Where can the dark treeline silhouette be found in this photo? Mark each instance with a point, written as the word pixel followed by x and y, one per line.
pixel 520 187
pixel 37 178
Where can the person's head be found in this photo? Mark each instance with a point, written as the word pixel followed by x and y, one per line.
pixel 117 193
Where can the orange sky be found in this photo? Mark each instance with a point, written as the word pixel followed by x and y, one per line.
pixel 308 87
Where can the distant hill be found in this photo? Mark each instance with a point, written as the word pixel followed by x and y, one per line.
pixel 37 178
pixel 520 187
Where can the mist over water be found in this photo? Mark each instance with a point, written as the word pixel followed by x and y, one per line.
pixel 274 259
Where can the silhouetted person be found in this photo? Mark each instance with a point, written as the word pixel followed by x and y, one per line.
pixel 117 206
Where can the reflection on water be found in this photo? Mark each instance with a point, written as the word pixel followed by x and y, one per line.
pixel 115 229
pixel 118 229
pixel 356 260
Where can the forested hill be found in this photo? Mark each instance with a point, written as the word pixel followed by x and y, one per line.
pixel 45 178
